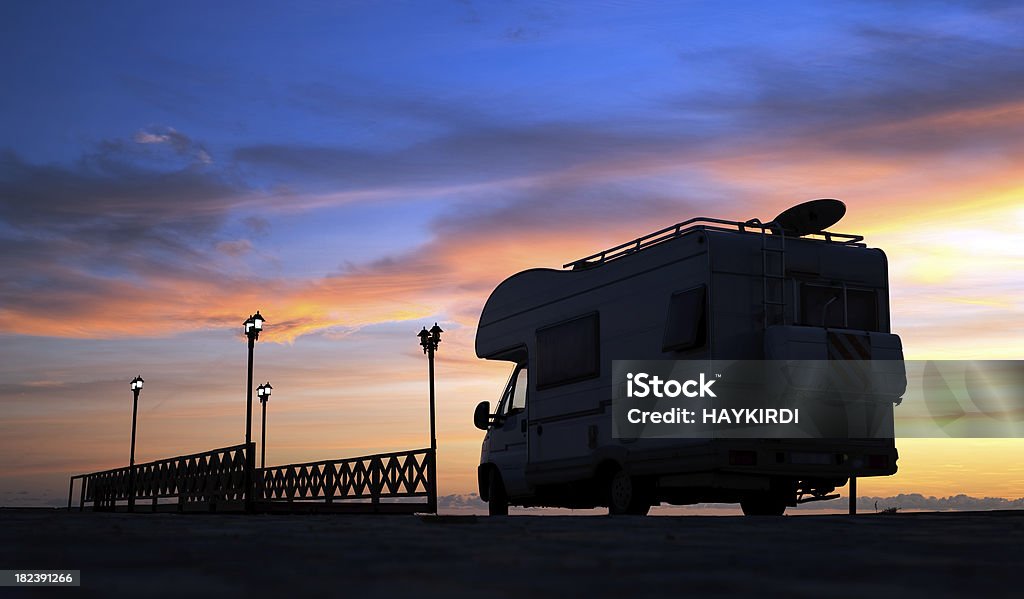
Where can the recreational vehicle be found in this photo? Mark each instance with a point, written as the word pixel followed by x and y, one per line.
pixel 704 288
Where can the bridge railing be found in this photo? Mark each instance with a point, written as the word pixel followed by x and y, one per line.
pixel 352 484
pixel 206 481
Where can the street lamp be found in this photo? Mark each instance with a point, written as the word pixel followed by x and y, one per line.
pixel 429 340
pixel 252 327
pixel 136 389
pixel 263 392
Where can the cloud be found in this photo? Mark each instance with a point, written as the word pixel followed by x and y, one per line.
pixel 369 102
pixel 119 199
pixel 79 240
pixel 238 247
pixel 257 225
pixel 880 92
pixel 916 501
pixel 469 500
pixel 472 155
pixel 473 249
pixel 179 142
pixel 567 209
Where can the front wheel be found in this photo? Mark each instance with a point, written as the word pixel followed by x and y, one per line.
pixel 497 498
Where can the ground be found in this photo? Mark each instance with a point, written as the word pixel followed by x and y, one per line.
pixel 169 555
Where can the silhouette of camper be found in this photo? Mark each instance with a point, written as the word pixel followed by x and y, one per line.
pixel 704 288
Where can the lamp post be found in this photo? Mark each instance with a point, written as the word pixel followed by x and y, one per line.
pixel 136 389
pixel 429 340
pixel 263 392
pixel 252 327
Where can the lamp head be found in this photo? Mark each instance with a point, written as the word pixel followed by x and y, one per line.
pixel 254 324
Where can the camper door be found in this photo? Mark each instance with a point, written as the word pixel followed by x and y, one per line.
pixel 508 450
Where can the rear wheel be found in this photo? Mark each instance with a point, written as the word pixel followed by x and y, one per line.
pixel 763 504
pixel 497 499
pixel 626 495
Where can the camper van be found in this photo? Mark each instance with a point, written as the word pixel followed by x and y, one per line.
pixel 702 289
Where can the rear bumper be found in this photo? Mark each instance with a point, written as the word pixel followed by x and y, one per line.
pixel 810 459
pixel 787 458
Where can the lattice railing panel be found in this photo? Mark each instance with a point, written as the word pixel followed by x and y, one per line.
pixel 217 475
pixel 220 475
pixel 381 476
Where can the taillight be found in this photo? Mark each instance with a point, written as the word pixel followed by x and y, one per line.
pixel 742 458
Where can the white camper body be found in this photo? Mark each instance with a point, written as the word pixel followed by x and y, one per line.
pixel 703 289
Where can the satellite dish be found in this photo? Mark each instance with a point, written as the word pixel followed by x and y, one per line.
pixel 810 217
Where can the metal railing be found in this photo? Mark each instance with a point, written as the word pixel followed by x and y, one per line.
pixel 207 481
pixel 695 224
pixel 352 484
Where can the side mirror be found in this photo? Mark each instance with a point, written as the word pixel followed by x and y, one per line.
pixel 482 415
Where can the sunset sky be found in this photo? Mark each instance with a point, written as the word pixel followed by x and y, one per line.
pixel 357 170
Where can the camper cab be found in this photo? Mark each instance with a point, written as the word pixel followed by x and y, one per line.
pixel 702 289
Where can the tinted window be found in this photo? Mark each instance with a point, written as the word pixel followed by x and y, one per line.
pixel 821 306
pixel 686 324
pixel 568 351
pixel 861 310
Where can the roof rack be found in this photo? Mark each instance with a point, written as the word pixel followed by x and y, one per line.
pixel 702 223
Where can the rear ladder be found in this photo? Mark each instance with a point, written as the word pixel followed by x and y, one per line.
pixel 773 277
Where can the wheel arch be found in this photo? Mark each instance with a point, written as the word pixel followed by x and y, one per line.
pixel 607 466
pixel 607 460
pixel 483 476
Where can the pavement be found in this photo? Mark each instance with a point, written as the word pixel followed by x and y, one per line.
pixel 170 555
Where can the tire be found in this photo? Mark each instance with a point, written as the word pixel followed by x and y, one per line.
pixel 497 499
pixel 625 495
pixel 763 504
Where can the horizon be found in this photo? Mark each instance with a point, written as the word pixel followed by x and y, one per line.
pixel 358 172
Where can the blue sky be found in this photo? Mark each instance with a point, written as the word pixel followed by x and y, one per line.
pixel 358 169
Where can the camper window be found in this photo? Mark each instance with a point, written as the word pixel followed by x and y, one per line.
pixel 838 307
pixel 822 306
pixel 686 322
pixel 861 309
pixel 568 351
